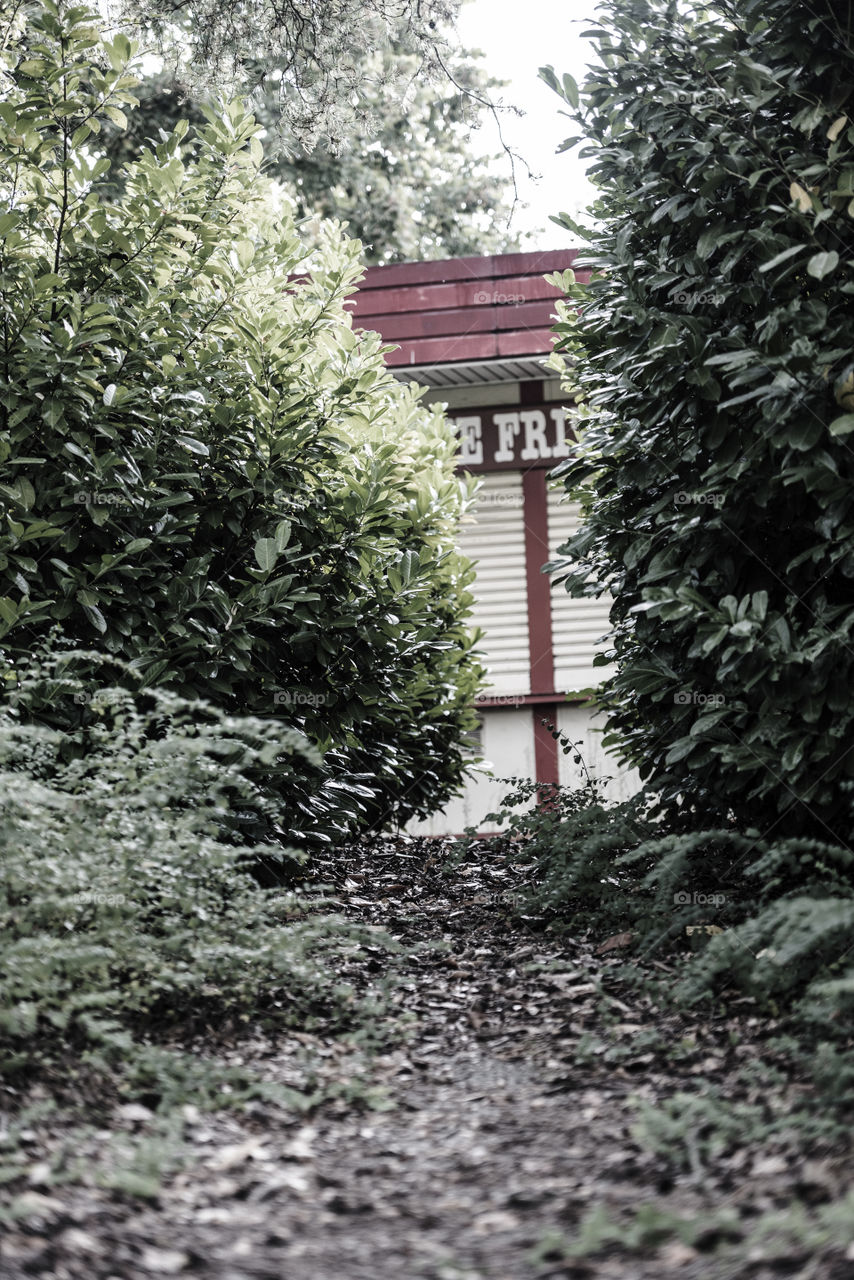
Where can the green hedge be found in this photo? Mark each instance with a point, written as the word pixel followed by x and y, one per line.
pixel 204 470
pixel 714 351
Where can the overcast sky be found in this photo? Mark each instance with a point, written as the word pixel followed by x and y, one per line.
pixel 518 37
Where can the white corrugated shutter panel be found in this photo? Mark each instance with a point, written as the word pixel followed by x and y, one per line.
pixel 496 540
pixel 577 624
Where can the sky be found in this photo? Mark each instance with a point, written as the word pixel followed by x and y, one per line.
pixel 518 37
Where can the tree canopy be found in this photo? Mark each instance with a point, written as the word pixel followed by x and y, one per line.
pixel 405 178
pixel 314 50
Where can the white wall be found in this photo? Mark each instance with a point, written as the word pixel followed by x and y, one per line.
pixel 494 537
pixel 578 622
pixel 580 724
pixel 508 744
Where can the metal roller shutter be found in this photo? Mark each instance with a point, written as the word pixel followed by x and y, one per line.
pixel 496 540
pixel 577 624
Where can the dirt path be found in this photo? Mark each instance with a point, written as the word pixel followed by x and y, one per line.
pixel 494 1140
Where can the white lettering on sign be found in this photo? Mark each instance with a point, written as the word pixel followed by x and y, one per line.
pixel 471 447
pixel 512 437
pixel 508 429
pixel 534 422
pixel 561 446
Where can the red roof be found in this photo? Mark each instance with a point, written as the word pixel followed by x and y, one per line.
pixel 463 308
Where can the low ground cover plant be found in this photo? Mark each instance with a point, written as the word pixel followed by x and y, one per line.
pixel 770 917
pixel 131 916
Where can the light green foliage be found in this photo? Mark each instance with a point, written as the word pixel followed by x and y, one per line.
pixel 204 470
pixel 714 359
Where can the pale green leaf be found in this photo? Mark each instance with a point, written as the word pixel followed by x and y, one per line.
pixel 782 257
pixel 821 264
pixel 266 553
pixel 800 197
pixel 195 446
pixel 836 128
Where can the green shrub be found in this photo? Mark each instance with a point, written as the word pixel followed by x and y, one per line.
pixel 770 917
pixel 127 916
pixel 279 789
pixel 570 844
pixel 204 470
pixel 714 360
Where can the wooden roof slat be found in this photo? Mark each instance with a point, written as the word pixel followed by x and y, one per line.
pixel 448 296
pixel 493 267
pixel 473 346
pixel 462 320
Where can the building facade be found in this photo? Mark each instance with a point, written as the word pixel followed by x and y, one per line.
pixel 474 332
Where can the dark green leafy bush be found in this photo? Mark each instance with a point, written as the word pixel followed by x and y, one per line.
pixel 204 470
pixel 714 351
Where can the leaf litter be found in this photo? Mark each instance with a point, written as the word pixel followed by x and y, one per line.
pixel 510 1117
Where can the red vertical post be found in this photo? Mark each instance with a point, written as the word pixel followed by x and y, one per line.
pixel 535 513
pixel 546 757
pixel 541 656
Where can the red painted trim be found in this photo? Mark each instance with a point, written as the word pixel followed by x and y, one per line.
pixel 543 464
pixel 531 393
pixel 498 700
pixel 546 765
pixel 535 512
